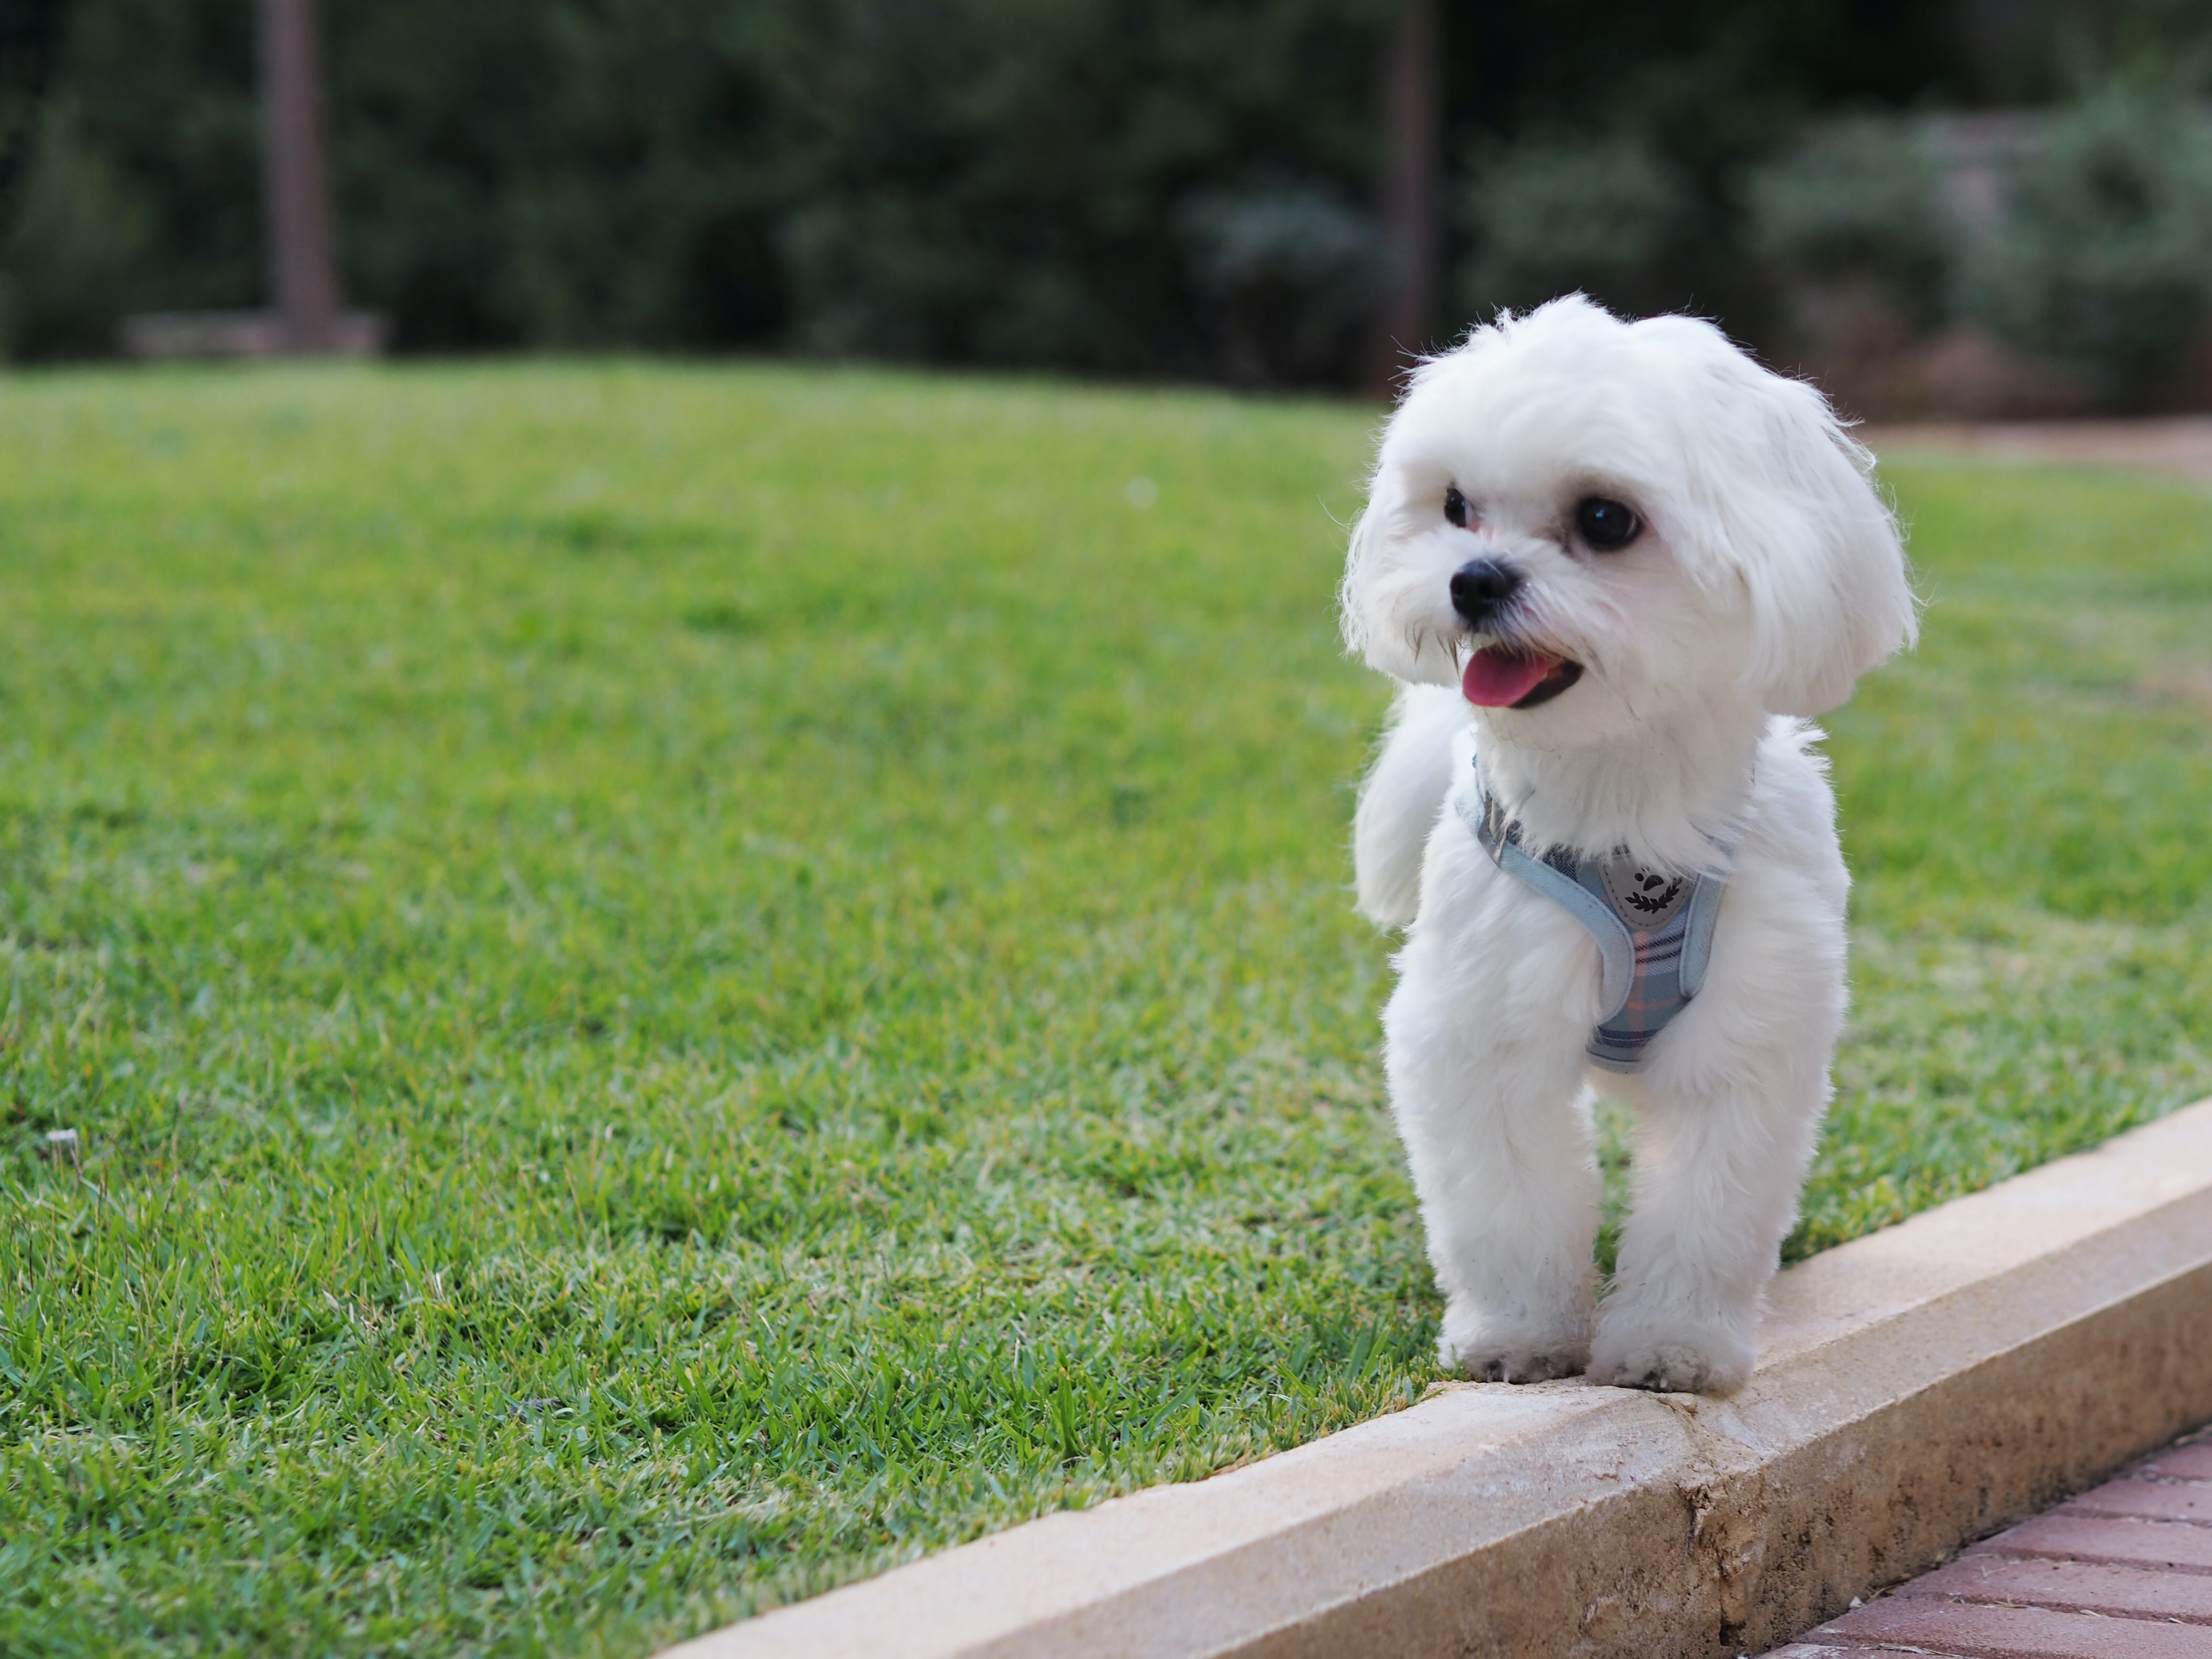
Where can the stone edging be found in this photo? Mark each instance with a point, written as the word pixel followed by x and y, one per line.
pixel 1916 1389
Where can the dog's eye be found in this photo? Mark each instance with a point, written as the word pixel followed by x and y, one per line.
pixel 1606 525
pixel 1455 507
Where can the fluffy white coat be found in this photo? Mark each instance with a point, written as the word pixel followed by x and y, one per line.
pixel 1766 576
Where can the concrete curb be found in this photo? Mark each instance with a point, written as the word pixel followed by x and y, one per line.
pixel 1916 1389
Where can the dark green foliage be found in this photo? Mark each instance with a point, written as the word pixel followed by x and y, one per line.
pixel 1118 186
pixel 74 246
pixel 1656 113
pixel 1002 180
pixel 1608 218
pixel 157 95
pixel 563 175
pixel 30 35
pixel 1289 276
pixel 2105 261
pixel 978 180
pixel 1112 185
pixel 1857 203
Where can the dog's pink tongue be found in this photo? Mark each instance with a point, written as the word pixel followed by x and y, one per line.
pixel 1498 678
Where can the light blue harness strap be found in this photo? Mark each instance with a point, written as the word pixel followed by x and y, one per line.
pixel 1616 948
pixel 1655 941
pixel 1698 937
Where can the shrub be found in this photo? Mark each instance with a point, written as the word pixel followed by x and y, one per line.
pixel 964 180
pixel 1547 218
pixel 987 180
pixel 1857 205
pixel 1290 277
pixel 2104 261
pixel 75 242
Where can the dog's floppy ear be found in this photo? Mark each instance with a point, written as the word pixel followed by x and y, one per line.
pixel 1377 588
pixel 1352 593
pixel 1817 548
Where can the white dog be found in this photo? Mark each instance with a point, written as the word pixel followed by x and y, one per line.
pixel 1613 563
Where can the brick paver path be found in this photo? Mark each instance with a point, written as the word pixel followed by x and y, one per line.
pixel 2123 1571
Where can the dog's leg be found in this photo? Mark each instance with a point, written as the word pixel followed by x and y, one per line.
pixel 1483 1049
pixel 1729 1107
pixel 1721 1153
pixel 1399 800
pixel 1717 1183
pixel 1509 1193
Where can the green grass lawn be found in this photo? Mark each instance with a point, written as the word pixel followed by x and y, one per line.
pixel 680 985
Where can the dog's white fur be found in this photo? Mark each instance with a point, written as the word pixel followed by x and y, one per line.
pixel 1769 576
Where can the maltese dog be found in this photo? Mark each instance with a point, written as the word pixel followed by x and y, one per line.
pixel 1613 565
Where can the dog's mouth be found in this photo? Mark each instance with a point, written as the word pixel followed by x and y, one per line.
pixel 1497 677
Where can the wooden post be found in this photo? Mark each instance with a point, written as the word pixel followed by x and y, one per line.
pixel 303 274
pixel 1413 120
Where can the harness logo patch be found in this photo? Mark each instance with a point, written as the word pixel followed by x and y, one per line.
pixel 1643 898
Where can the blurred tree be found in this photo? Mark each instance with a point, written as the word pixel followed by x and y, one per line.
pixel 996 180
pixel 2103 262
pixel 30 31
pixel 1858 204
pixel 1001 180
pixel 1289 279
pixel 1850 225
pixel 566 174
pixel 1607 216
pixel 30 35
pixel 1412 229
pixel 77 243
pixel 303 276
pixel 150 195
pixel 1570 111
pixel 2018 52
pixel 1114 185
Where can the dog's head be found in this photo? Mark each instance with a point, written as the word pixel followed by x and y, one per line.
pixel 1585 523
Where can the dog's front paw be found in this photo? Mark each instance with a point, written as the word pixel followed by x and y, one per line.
pixel 1676 1356
pixel 1487 1350
pixel 1515 1364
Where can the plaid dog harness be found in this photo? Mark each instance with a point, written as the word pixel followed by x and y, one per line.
pixel 1653 933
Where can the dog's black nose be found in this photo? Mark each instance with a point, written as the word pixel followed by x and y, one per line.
pixel 1480 587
